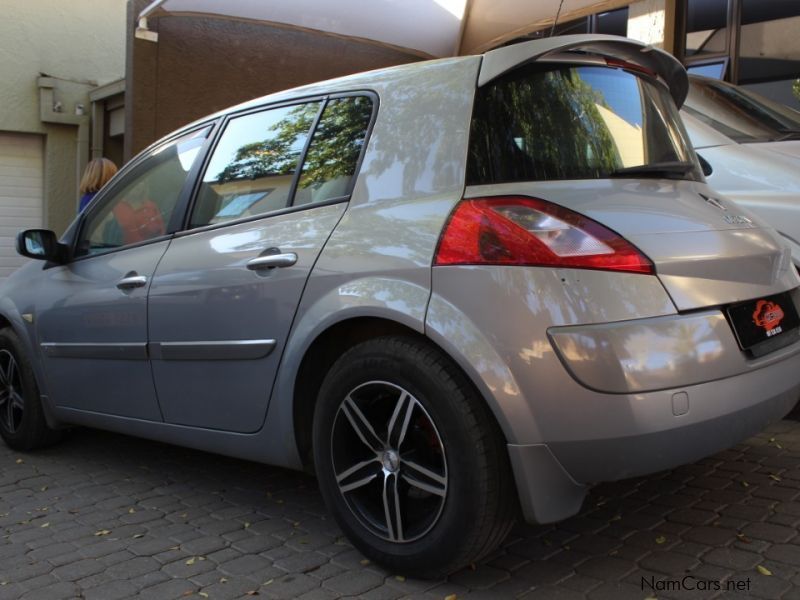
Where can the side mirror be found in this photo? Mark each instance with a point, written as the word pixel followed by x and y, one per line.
pixel 41 244
pixel 707 170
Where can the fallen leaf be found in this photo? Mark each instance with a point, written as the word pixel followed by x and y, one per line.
pixel 774 477
pixel 771 440
pixel 102 532
pixel 365 561
pixel 660 539
pixel 136 536
pixel 252 593
pixel 763 570
pixel 616 517
pixel 743 538
pixel 203 594
pixel 191 561
pixel 20 461
pixel 451 597
pixel 223 580
pixel 43 488
pixel 268 582
pixel 246 524
pixel 399 578
pixel 745 484
pixel 43 525
pixel 131 511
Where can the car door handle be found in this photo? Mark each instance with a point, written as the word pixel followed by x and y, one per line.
pixel 272 261
pixel 130 282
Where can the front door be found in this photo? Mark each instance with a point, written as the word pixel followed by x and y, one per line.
pixel 224 296
pixel 91 317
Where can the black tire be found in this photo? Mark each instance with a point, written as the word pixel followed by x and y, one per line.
pixel 22 422
pixel 475 498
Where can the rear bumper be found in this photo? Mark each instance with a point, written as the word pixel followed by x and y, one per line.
pixel 553 478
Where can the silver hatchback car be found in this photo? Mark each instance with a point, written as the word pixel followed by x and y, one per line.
pixel 457 290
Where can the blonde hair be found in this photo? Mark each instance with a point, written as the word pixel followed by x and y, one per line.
pixel 96 174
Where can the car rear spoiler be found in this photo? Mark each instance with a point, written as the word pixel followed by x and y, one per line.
pixel 581 47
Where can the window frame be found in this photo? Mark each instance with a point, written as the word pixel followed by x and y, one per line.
pixel 290 207
pixel 133 169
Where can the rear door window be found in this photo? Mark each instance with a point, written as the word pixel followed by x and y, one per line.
pixel 253 165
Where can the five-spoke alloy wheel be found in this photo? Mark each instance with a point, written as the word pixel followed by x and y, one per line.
pixel 22 422
pixel 409 458
pixel 11 403
pixel 389 461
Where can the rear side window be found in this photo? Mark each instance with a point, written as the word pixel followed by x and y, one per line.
pixel 544 122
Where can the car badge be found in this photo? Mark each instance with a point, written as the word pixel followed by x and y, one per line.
pixel 768 315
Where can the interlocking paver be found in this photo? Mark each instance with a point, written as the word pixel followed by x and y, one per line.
pixel 81 520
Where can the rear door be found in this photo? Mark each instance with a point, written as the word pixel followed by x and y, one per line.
pixel 224 295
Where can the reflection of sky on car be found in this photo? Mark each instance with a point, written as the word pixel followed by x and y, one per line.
pixel 619 89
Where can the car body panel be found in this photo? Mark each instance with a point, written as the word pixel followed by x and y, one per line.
pixel 498 348
pixel 700 257
pixel 85 324
pixel 204 298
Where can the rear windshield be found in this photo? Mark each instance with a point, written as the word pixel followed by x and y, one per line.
pixel 742 115
pixel 546 122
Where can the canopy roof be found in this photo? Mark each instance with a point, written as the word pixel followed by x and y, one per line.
pixel 430 28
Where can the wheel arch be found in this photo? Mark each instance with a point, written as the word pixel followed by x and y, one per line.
pixel 323 352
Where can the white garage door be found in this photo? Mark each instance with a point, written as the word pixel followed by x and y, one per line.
pixel 21 193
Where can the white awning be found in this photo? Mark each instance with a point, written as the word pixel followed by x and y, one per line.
pixel 433 28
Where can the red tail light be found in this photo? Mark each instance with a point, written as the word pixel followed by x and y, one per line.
pixel 533 232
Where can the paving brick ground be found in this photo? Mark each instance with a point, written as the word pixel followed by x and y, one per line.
pixel 103 516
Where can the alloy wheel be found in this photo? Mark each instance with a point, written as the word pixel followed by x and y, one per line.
pixel 389 461
pixel 12 403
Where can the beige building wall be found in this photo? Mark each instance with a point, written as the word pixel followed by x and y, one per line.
pixel 69 48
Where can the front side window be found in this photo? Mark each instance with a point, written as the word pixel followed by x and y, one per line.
pixel 253 166
pixel 141 206
pixel 575 122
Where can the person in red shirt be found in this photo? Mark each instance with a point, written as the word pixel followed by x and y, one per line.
pixel 139 218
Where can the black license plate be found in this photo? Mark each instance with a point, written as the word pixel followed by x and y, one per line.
pixel 760 320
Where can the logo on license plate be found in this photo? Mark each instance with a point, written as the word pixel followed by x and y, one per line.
pixel 768 315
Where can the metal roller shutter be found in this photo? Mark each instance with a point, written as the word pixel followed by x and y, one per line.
pixel 21 193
